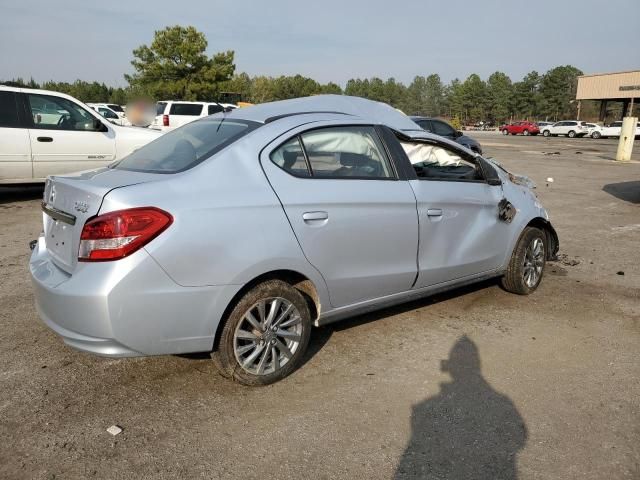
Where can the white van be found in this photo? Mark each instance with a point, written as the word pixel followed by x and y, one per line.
pixel 172 114
pixel 48 133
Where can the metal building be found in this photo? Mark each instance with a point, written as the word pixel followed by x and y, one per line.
pixel 610 87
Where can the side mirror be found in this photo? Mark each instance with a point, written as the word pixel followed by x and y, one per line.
pixel 458 134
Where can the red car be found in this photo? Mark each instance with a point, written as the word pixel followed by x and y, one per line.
pixel 525 128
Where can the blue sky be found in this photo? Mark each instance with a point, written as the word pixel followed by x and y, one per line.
pixel 327 40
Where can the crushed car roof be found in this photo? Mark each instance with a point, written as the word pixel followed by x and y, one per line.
pixel 341 104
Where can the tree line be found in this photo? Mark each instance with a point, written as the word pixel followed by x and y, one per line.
pixel 176 66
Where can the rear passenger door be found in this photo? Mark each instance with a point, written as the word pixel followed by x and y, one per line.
pixel 351 211
pixel 15 147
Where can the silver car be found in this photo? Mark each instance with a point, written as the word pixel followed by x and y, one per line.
pixel 237 233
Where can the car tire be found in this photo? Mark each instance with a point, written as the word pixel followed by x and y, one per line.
pixel 596 135
pixel 571 134
pixel 246 334
pixel 526 267
pixel 546 133
pixel 525 133
pixel 505 132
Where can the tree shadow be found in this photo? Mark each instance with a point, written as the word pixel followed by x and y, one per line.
pixel 627 191
pixel 19 193
pixel 468 430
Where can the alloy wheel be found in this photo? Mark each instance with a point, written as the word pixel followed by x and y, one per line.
pixel 533 263
pixel 268 336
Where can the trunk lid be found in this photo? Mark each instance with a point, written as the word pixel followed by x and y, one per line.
pixel 70 200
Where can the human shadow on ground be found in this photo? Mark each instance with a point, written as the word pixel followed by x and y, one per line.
pixel 468 430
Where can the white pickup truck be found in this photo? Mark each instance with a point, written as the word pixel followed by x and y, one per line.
pixel 172 114
pixel 49 133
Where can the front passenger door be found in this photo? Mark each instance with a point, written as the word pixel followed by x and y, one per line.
pixel 64 138
pixel 460 233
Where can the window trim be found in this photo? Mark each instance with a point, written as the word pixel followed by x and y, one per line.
pixel 312 176
pixel 464 155
pixel 32 125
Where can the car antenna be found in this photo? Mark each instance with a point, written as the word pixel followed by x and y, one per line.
pixel 224 117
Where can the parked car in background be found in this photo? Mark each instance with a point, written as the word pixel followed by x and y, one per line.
pixel 543 124
pixel 47 133
pixel 570 128
pixel 593 128
pixel 522 128
pixel 442 128
pixel 238 233
pixel 110 114
pixel 613 130
pixel 172 114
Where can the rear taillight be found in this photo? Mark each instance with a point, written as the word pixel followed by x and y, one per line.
pixel 165 120
pixel 117 234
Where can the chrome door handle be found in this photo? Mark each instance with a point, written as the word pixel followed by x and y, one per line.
pixel 434 212
pixel 311 216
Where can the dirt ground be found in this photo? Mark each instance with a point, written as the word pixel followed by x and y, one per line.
pixel 538 387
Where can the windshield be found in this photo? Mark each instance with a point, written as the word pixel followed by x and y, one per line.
pixel 187 146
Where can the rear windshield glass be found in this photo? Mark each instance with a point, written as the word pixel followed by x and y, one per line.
pixel 185 109
pixel 115 108
pixel 160 106
pixel 185 147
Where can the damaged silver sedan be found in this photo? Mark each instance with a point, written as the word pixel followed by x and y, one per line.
pixel 239 232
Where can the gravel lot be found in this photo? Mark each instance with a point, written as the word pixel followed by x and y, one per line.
pixel 556 394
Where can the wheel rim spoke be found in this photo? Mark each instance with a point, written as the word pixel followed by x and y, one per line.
pixel 274 359
pixel 275 305
pixel 245 348
pixel 263 360
pixel 252 320
pixel 283 315
pixel 250 359
pixel 284 349
pixel 288 335
pixel 294 320
pixel 245 335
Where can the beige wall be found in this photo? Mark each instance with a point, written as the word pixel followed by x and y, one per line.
pixel 595 87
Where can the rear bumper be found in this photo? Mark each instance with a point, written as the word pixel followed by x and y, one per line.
pixel 124 308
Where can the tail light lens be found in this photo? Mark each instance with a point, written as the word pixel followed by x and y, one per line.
pixel 115 235
pixel 165 120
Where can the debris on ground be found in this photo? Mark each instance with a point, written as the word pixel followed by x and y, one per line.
pixel 564 259
pixel 114 430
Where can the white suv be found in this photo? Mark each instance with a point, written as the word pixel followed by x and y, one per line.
pixel 570 128
pixel 47 133
pixel 172 114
